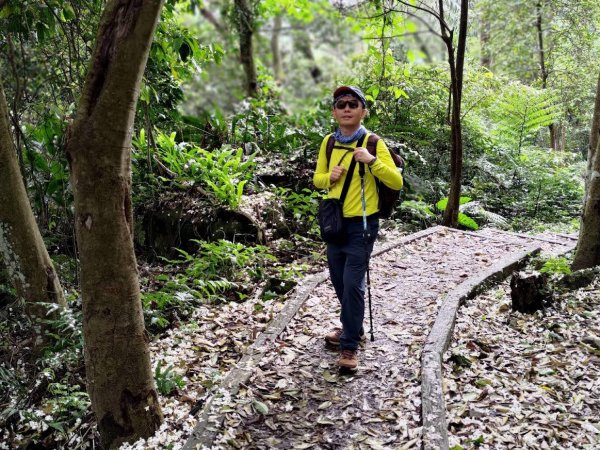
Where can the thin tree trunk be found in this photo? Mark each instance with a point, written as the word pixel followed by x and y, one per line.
pixel 587 253
pixel 456 77
pixel 21 245
pixel 484 39
pixel 302 44
pixel 554 141
pixel 119 375
pixel 275 51
pixel 245 25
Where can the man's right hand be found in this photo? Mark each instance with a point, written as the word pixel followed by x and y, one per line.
pixel 336 173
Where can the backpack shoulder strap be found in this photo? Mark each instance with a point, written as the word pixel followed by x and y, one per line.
pixel 329 148
pixel 372 144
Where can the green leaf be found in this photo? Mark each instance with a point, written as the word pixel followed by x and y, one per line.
pixel 329 377
pixel 483 382
pixel 374 91
pixel 441 205
pixel 260 407
pixel 57 426
pixel 6 12
pixel 68 12
pixel 466 221
pixel 444 202
pixel 478 441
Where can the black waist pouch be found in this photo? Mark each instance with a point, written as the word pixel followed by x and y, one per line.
pixel 331 221
pixel 331 214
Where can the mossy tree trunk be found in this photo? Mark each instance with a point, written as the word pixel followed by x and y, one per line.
pixel 119 374
pixel 588 245
pixel 22 248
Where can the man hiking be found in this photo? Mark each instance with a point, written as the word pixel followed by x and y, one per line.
pixel 348 260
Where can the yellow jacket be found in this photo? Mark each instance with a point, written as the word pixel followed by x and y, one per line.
pixel 383 168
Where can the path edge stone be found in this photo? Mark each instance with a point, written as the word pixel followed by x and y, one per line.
pixel 433 406
pixel 209 417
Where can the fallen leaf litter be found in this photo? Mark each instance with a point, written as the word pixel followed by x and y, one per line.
pixel 296 398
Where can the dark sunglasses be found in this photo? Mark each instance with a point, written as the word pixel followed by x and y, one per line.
pixel 341 104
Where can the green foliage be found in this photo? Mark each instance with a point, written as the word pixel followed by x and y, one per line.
pixel 192 68
pixel 535 186
pixel 520 112
pixel 559 265
pixel 417 211
pixel 176 56
pixel 224 171
pixel 462 218
pixel 167 380
pixel 60 402
pixel 66 407
pixel 218 271
pixel 302 208
pixel 64 331
pixel 225 259
pixel 69 403
pixel 467 222
pixel 441 205
pixel 300 10
pixel 263 123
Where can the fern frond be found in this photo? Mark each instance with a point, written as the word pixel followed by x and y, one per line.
pixel 522 111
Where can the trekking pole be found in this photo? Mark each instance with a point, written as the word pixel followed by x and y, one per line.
pixel 361 172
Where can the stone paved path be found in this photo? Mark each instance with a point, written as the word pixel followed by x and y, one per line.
pixel 296 398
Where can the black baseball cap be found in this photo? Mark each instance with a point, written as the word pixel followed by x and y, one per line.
pixel 349 90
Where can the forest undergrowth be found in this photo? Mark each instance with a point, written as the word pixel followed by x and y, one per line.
pixel 221 177
pixel 206 325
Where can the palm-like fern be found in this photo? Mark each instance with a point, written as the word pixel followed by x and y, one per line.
pixel 522 111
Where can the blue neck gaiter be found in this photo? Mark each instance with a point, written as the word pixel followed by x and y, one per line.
pixel 358 134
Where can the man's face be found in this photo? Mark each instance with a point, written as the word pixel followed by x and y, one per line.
pixel 348 111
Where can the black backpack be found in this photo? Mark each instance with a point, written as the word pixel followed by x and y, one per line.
pixel 387 197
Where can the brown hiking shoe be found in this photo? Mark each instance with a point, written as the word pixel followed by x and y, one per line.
pixel 333 338
pixel 348 359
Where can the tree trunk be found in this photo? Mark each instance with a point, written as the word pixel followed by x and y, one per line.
pixel 245 26
pixel 275 52
pixel 302 44
pixel 594 134
pixel 456 77
pixel 21 246
pixel 119 375
pixel 554 138
pixel 484 42
pixel 587 253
